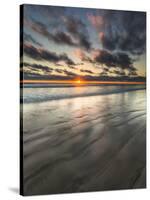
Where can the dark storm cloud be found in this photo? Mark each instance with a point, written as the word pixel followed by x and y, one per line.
pixel 84 42
pixel 86 71
pixel 106 69
pixel 66 72
pixel 59 71
pixel 132 73
pixel 45 69
pixel 105 57
pixel 108 59
pixel 70 74
pixel 78 30
pixel 58 37
pixel 62 38
pixel 32 75
pixel 29 38
pixel 37 27
pixel 36 76
pixel 42 54
pixel 73 25
pixel 103 73
pixel 117 59
pixel 87 59
pixel 71 67
pixel 120 73
pixel 103 76
pixel 125 31
pixel 36 67
pixel 66 59
pixel 73 36
pixel 33 69
pixel 124 61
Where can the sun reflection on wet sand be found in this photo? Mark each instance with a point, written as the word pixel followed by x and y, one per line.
pixel 84 143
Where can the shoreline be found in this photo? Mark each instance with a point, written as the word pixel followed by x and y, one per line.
pixel 53 98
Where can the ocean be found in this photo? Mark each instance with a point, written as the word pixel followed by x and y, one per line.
pixel 40 93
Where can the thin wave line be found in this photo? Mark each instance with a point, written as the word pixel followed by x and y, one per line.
pixel 51 98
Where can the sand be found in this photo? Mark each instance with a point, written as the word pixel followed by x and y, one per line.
pixel 85 144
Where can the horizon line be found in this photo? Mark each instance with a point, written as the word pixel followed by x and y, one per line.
pixel 81 82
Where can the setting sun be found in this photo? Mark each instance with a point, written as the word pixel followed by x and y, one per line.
pixel 79 81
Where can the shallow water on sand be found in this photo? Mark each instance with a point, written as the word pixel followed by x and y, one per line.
pixel 89 143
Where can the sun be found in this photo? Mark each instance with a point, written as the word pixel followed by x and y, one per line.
pixel 78 81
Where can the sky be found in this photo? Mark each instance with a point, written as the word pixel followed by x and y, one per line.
pixel 64 43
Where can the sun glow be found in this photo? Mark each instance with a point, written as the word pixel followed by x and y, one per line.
pixel 78 81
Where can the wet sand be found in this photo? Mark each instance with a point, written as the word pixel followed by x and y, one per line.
pixel 85 144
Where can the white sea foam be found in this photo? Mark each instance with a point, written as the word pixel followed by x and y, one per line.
pixel 33 94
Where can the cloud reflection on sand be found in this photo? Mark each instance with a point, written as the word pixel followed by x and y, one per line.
pixel 85 144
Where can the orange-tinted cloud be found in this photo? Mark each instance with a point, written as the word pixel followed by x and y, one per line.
pixel 96 20
pixel 79 53
pixel 101 35
pixel 82 55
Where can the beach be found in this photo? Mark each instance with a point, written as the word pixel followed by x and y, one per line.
pixel 80 139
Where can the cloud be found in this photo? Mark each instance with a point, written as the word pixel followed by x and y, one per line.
pixel 86 71
pixel 124 31
pixel 107 59
pixel 58 37
pixel 37 27
pixel 104 57
pixel 42 54
pixel 103 73
pixel 71 67
pixel 70 74
pixel 101 77
pixel 106 69
pixel 66 59
pixel 84 42
pixel 29 38
pixel 31 75
pixel 31 72
pixel 120 73
pixel 60 64
pixel 121 35
pixel 117 59
pixel 120 30
pixel 74 35
pixel 48 12
pixel 66 72
pixel 37 67
pixel 62 38
pixel 59 71
pixel 79 53
pixel 132 73
pixel 78 30
pixel 74 26
pixel 101 35
pixel 96 20
pixel 105 77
